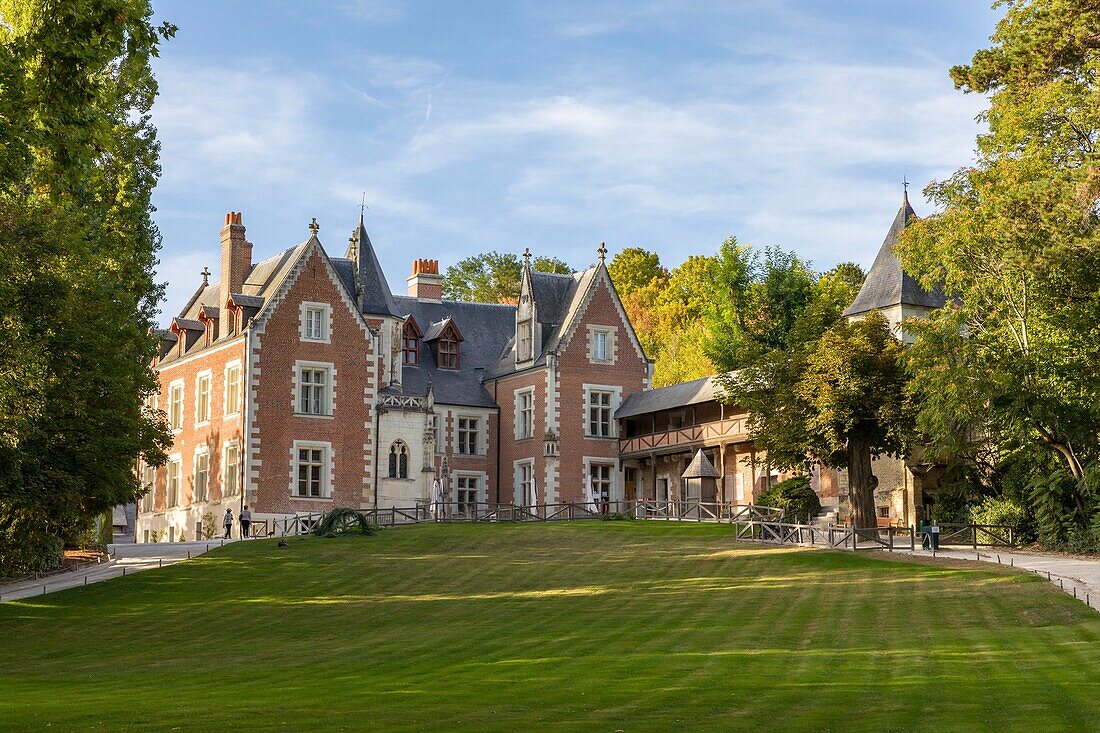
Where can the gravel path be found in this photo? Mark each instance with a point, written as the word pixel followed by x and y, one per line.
pixel 126 559
pixel 1078 576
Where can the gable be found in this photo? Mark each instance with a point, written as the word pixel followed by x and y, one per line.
pixel 597 304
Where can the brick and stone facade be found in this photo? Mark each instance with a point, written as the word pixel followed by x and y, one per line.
pixel 320 388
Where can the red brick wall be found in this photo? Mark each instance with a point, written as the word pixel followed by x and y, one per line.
pixel 277 424
pixel 575 370
pixel 512 450
pixel 214 434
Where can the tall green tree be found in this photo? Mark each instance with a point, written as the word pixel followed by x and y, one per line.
pixel 77 167
pixel 633 268
pixel 838 399
pixel 1012 361
pixel 493 277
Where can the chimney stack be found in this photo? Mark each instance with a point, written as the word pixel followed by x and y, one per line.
pixel 426 283
pixel 236 262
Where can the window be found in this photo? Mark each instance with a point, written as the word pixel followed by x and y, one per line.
pixel 410 343
pixel 202 398
pixel 315 322
pixel 523 341
pixel 884 512
pixel 313 390
pixel 525 475
pixel 202 476
pixel 601 344
pixel 599 413
pixel 148 482
pixel 525 414
pixel 311 460
pixel 448 353
pixel 437 438
pixel 600 476
pixel 231 468
pixel 468 435
pixel 233 389
pixel 173 485
pixel 399 460
pixel 175 406
pixel 467 495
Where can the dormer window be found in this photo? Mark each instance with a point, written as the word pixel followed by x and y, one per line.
pixel 448 353
pixel 523 341
pixel 410 343
pixel 447 337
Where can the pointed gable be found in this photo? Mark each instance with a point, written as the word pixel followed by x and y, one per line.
pixel 372 290
pixel 887 284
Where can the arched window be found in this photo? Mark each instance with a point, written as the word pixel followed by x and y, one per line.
pixel 399 460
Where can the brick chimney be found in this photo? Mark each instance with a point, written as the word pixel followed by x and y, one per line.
pixel 236 262
pixel 426 283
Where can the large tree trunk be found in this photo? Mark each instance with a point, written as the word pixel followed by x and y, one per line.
pixel 861 482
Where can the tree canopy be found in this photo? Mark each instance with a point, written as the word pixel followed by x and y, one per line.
pixel 77 169
pixel 493 277
pixel 1011 364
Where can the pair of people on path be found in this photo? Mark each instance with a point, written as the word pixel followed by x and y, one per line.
pixel 245 519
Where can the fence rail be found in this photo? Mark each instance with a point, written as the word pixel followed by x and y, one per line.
pixel 750 522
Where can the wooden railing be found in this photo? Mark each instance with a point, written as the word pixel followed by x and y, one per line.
pixel 705 433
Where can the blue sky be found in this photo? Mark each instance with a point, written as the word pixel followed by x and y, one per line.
pixel 475 126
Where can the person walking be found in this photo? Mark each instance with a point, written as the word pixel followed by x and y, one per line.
pixel 228 521
pixel 246 520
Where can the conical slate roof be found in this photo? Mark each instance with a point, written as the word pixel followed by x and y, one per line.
pixel 375 296
pixel 887 284
pixel 700 467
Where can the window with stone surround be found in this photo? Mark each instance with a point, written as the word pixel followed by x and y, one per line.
pixel 232 388
pixel 175 405
pixel 469 429
pixel 314 389
pixel 467 494
pixel 525 413
pixel 231 468
pixel 600 413
pixel 315 322
pixel 523 341
pixel 202 475
pixel 173 482
pixel 311 470
pixel 202 398
pixel 399 459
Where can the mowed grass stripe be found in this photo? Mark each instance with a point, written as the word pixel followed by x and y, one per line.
pixel 587 626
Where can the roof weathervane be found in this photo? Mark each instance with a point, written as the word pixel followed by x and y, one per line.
pixel 205 275
pixel 363 205
pixel 314 227
pixel 602 251
pixel 526 256
pixel 905 187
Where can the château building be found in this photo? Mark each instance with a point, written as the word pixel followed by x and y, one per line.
pixel 301 382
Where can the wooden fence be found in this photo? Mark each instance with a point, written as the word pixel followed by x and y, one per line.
pixel 750 522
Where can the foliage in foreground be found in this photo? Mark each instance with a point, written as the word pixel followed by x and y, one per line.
pixel 795 497
pixel 77 248
pixel 344 520
pixel 1008 371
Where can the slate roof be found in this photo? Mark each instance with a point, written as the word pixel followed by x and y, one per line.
pixel 887 284
pixel 700 467
pixel 487 328
pixel 694 392
pixel 375 297
pixel 551 294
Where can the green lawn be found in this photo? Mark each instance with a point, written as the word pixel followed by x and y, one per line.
pixel 599 626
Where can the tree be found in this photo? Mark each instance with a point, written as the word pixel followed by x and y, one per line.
pixel 633 268
pixel 838 400
pixel 1011 362
pixel 77 169
pixel 493 277
pixel 756 303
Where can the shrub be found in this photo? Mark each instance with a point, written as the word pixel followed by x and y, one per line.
pixel 1000 510
pixel 794 496
pixel 615 517
pixel 208 527
pixel 25 546
pixel 344 520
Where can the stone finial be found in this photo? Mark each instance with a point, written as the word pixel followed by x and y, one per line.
pixel 314 227
pixel 526 256
pixel 602 251
pixel 205 276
